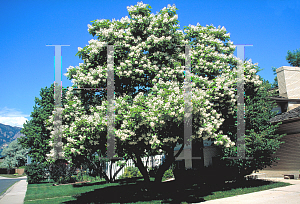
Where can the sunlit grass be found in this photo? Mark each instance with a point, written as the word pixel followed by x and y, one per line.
pixel 11 175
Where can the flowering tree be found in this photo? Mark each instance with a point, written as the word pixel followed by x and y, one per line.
pixel 149 87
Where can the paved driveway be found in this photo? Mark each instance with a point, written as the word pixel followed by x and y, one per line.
pixel 288 194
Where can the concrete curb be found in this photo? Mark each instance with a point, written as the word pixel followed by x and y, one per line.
pixel 15 194
pixel 8 190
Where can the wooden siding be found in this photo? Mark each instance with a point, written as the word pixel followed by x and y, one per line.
pixel 289 127
pixel 288 154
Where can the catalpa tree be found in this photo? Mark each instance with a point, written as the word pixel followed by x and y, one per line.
pixel 150 80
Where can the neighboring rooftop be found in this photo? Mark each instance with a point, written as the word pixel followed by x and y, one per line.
pixel 284 99
pixel 292 114
pixel 274 88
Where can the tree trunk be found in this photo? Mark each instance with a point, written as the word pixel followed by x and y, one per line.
pixel 161 170
pixel 102 173
pixel 110 171
pixel 138 163
pixel 116 173
pixel 166 165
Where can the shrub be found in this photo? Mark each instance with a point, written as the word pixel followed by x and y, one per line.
pixel 35 172
pixel 131 172
pixel 168 174
pixel 61 172
pixel 83 176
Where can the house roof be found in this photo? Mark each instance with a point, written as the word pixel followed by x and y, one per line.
pixel 274 88
pixel 292 114
pixel 283 99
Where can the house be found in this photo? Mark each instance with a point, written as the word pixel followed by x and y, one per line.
pixel 289 114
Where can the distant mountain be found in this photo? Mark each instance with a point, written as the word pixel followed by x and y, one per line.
pixel 8 134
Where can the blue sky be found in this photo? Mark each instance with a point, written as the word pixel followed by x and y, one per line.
pixel 27 64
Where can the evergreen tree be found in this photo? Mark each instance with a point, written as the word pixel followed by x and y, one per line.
pixel 275 83
pixel 37 137
pixel 293 58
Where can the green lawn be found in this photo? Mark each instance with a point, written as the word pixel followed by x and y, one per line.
pixel 135 191
pixel 11 175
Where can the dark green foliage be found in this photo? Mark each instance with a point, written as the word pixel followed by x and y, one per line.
pixel 37 137
pixel 261 140
pixel 62 172
pixel 168 174
pixel 36 172
pixel 131 172
pixel 293 58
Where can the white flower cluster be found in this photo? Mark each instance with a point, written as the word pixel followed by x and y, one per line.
pixel 54 125
pixel 158 113
pixel 140 121
pixel 224 141
pixel 134 8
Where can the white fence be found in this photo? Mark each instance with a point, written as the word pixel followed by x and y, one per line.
pixel 152 162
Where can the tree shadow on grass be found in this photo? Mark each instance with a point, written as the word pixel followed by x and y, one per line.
pixel 169 192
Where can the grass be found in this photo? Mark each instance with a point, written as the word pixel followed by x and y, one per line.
pixel 135 191
pixel 11 175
